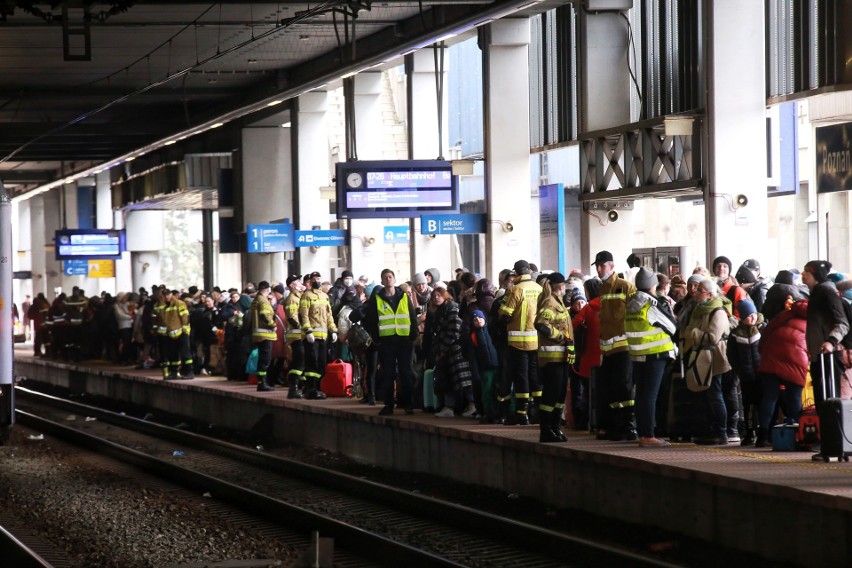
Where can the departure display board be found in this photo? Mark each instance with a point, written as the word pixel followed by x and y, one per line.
pixel 388 189
pixel 95 244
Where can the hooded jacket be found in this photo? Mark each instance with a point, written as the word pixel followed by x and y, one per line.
pixel 709 325
pixel 587 322
pixel 743 348
pixel 826 318
pixel 783 350
pixel 655 317
pixel 776 299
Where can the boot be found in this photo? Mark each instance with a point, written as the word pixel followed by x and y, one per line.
pixel 760 438
pixel 293 390
pixel 555 422
pixel 630 425
pixel 312 391
pixel 263 386
pixel 546 433
pixel 748 439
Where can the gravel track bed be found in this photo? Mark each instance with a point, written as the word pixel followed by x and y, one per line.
pixel 102 518
pixel 661 544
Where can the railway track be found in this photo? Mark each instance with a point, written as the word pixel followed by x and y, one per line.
pixel 395 526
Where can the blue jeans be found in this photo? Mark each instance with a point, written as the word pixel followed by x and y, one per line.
pixel 792 399
pixel 647 375
pixel 716 413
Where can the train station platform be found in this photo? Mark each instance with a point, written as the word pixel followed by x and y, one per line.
pixel 781 506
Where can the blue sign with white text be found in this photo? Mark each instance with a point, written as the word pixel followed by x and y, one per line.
pixel 464 224
pixel 270 238
pixel 75 267
pixel 396 235
pixel 321 238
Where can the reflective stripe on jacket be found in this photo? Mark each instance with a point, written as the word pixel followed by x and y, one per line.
pixel 291 309
pixel 521 306
pixel 644 338
pixel 557 346
pixel 262 320
pixel 613 294
pixel 393 323
pixel 315 314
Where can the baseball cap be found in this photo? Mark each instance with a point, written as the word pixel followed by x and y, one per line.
pixel 316 274
pixel 752 264
pixel 603 256
pixel 263 285
pixel 521 265
pixel 292 278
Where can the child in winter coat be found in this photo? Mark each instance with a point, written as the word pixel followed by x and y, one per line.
pixel 483 358
pixel 744 357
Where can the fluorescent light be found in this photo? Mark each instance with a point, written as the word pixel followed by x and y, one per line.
pixel 170 142
pixel 286 125
pixel 273 103
pixel 217 125
pixel 130 159
pixel 69 180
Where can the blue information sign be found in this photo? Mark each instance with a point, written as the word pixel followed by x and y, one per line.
pixel 75 267
pixel 465 224
pixel 396 235
pixel 270 238
pixel 321 238
pixel 551 202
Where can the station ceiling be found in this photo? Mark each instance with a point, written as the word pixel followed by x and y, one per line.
pixel 85 82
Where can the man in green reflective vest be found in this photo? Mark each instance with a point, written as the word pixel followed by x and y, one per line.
pixel 391 313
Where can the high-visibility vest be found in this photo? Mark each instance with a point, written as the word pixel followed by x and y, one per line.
pixel 291 308
pixel 261 317
pixel 613 294
pixel 644 338
pixel 393 323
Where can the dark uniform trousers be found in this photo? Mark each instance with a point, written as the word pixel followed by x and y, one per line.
pixel 297 363
pixel 615 385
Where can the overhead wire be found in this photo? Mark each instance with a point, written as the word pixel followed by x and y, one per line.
pixel 322 7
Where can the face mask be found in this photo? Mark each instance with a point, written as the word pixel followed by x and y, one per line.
pixel 347 282
pixel 316 285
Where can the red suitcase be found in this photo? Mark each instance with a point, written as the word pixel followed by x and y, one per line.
pixel 338 376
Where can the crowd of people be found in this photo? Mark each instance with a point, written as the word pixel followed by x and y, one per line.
pixel 714 357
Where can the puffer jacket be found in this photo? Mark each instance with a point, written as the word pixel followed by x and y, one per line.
pixel 743 349
pixel 826 318
pixel 783 351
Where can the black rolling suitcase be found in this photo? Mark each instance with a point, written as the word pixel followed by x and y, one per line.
pixel 835 417
pixel 687 411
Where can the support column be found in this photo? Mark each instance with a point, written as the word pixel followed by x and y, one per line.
pixel 423 140
pixel 604 103
pixel 507 143
pixel 51 214
pixel 313 173
pixel 208 262
pixel 368 258
pixel 736 109
pixel 267 193
pixel 22 243
pixel 145 239
pixel 37 244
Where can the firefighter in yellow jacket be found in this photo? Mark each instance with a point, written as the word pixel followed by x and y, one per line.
pixel 295 337
pixel 614 380
pixel 555 355
pixel 318 326
pixel 172 324
pixel 263 332
pixel 518 313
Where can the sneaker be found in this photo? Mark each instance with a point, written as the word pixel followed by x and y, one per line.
pixel 652 442
pixel 470 411
pixel 818 457
pixel 205 372
pixel 445 412
pixel 734 439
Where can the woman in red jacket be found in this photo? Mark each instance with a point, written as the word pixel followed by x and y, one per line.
pixel 783 361
pixel 587 330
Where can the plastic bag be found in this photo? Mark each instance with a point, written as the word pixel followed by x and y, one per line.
pixel 251 363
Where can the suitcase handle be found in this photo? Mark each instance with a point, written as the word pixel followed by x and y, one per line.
pixel 830 380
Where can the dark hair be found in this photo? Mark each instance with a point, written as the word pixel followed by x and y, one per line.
pixel 468 279
pixel 454 288
pixel 386 270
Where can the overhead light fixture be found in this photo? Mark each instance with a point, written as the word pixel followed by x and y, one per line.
pixel 170 142
pixel 287 124
pixel 217 125
pixel 130 159
pixel 304 37
pixel 69 180
pixel 273 103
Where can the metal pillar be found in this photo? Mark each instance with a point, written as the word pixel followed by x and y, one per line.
pixel 7 394
pixel 207 247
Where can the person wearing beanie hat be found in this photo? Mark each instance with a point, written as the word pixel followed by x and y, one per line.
pixel 744 356
pixel 649 329
pixel 618 418
pixel 722 267
pixel 577 301
pixel 677 288
pixel 421 288
pixel 279 289
pixel 517 313
pixel 827 324
pixel 646 280
pixel 555 356
pixel 263 333
pixel 780 295
pixel 727 283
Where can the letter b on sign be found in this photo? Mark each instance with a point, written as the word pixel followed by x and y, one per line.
pixel 431 226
